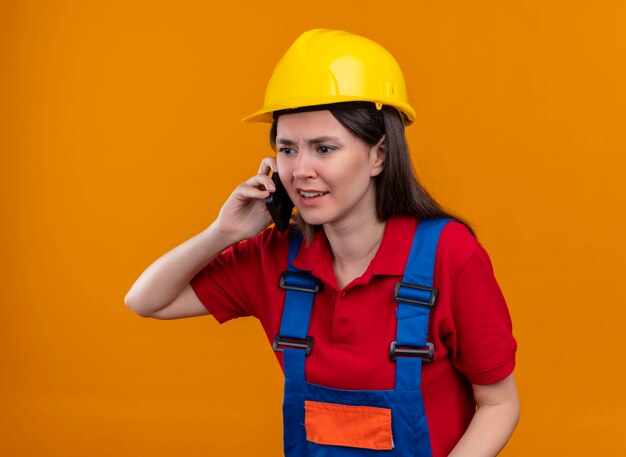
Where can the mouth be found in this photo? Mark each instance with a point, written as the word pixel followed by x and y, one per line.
pixel 310 194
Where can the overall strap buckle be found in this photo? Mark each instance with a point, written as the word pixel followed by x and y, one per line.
pixel 414 294
pixel 287 342
pixel 425 353
pixel 302 282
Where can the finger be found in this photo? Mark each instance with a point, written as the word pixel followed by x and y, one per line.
pixel 267 164
pixel 262 181
pixel 247 192
pixel 252 193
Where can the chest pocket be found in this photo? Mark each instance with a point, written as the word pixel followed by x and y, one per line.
pixel 365 427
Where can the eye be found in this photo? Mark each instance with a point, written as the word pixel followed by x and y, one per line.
pixel 325 149
pixel 286 150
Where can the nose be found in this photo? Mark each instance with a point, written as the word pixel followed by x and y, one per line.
pixel 304 166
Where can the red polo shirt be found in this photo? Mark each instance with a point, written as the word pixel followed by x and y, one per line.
pixel 353 327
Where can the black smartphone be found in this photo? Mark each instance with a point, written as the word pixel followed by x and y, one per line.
pixel 279 205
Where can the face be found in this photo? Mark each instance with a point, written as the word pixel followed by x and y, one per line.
pixel 327 171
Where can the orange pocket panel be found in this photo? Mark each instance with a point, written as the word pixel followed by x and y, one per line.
pixel 366 427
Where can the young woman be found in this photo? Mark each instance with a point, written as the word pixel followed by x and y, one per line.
pixel 382 308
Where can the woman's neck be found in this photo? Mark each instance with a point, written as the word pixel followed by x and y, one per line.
pixel 354 246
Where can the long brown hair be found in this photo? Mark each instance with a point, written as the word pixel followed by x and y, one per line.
pixel 398 190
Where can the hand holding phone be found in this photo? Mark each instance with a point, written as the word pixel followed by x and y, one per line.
pixel 279 205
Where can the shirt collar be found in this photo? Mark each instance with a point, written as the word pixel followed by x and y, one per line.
pixel 390 259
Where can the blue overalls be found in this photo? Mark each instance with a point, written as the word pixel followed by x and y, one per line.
pixel 324 422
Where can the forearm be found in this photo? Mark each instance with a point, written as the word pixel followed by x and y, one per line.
pixel 164 280
pixel 494 420
pixel 488 432
pixel 242 216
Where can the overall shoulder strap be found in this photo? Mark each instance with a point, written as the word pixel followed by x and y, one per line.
pixel 416 295
pixel 300 288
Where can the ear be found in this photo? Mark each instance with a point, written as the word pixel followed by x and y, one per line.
pixel 377 157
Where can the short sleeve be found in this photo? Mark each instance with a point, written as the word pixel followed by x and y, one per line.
pixel 485 347
pixel 217 286
pixel 233 284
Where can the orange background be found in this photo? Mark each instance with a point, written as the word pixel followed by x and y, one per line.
pixel 121 136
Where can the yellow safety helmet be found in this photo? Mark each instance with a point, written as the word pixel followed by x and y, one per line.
pixel 330 66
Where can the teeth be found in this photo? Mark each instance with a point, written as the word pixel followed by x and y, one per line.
pixel 311 194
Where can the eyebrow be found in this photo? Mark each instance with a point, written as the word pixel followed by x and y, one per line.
pixel 317 140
